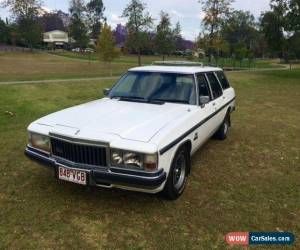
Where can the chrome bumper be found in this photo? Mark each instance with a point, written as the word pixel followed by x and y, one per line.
pixel 104 176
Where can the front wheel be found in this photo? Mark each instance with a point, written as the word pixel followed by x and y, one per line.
pixel 178 175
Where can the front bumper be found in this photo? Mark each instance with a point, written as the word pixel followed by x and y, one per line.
pixel 105 177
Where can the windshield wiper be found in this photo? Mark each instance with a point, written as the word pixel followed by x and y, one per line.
pixel 130 98
pixel 170 100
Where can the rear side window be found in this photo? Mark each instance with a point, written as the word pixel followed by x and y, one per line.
pixel 203 85
pixel 223 80
pixel 215 86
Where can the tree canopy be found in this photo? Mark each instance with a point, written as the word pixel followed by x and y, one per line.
pixel 95 10
pixel 216 11
pixel 106 45
pixel 138 22
pixel 165 35
pixel 78 29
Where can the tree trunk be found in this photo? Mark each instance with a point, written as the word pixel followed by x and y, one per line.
pixel 139 58
pixel 163 58
pixel 110 68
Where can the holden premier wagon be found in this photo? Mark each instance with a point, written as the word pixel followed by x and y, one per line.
pixel 142 134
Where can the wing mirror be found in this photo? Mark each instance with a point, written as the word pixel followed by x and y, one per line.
pixel 106 92
pixel 204 100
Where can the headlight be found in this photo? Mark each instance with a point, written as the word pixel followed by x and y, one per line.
pixel 38 141
pixel 126 159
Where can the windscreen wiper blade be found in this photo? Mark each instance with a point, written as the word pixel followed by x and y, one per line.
pixel 170 100
pixel 130 98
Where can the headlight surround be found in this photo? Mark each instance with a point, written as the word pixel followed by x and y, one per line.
pixel 133 160
pixel 38 141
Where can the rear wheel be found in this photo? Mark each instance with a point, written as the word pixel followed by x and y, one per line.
pixel 178 175
pixel 222 133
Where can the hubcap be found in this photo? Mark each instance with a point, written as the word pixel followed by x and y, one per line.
pixel 225 127
pixel 179 172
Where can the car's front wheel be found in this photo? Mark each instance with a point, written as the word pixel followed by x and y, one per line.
pixel 178 175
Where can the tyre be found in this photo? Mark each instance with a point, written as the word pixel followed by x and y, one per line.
pixel 222 133
pixel 177 178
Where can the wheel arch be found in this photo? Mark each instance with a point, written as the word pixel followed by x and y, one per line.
pixel 228 114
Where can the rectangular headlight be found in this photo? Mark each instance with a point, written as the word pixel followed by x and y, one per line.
pixel 127 159
pixel 41 142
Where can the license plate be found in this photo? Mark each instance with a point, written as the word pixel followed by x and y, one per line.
pixel 72 175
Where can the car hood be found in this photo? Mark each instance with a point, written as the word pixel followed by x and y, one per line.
pixel 128 120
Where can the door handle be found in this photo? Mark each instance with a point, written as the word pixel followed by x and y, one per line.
pixel 214 104
pixel 224 97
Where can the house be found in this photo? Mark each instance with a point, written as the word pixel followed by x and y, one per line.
pixel 56 38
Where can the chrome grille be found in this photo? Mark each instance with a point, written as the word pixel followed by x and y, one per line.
pixel 79 153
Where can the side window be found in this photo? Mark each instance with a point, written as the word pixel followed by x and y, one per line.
pixel 215 86
pixel 223 80
pixel 203 86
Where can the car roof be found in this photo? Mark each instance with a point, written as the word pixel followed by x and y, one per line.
pixel 175 69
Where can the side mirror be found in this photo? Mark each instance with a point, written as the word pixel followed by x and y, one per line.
pixel 106 92
pixel 204 100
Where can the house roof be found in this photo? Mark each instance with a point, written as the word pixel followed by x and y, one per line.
pixel 56 31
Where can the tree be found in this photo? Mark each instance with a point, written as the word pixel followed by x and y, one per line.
pixel 23 9
pixel 271 25
pixel 120 34
pixel 95 9
pixel 138 22
pixel 240 29
pixel 178 38
pixel 30 31
pixel 165 36
pixel 4 32
pixel 78 29
pixel 25 13
pixel 289 11
pixel 281 27
pixel 106 46
pixel 216 11
pixel 52 21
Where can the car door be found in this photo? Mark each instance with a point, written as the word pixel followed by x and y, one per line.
pixel 205 131
pixel 218 98
pixel 228 92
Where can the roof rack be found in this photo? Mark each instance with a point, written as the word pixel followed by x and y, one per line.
pixel 178 63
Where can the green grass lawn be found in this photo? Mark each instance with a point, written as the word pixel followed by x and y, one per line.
pixel 222 62
pixel 43 66
pixel 250 182
pixel 131 60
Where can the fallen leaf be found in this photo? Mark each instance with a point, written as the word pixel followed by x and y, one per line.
pixel 9 113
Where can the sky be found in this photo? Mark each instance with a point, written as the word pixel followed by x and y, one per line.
pixel 187 12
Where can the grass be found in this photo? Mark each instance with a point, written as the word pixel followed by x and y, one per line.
pixel 41 66
pixel 128 59
pixel 67 65
pixel 222 62
pixel 250 182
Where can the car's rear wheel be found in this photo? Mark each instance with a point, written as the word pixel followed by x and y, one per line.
pixel 178 175
pixel 222 133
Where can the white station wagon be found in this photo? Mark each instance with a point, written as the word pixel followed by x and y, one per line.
pixel 141 136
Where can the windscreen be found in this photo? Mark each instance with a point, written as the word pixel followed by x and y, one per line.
pixel 152 86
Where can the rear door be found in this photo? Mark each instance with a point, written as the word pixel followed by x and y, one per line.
pixel 218 98
pixel 228 91
pixel 205 131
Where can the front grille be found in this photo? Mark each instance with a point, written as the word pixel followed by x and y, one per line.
pixel 77 153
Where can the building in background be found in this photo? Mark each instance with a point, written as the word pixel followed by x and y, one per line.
pixel 56 39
